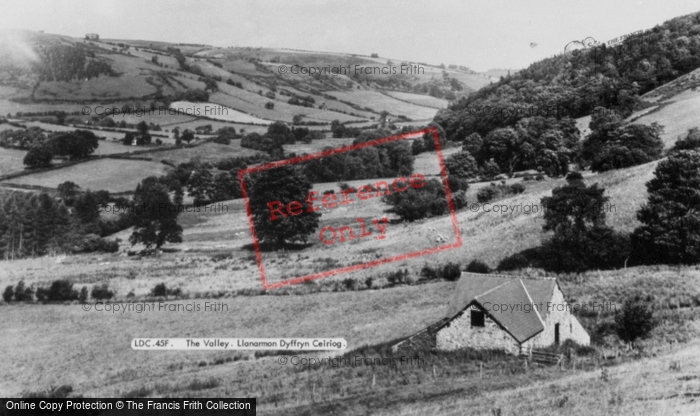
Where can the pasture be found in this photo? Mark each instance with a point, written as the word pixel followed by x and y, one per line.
pixel 113 175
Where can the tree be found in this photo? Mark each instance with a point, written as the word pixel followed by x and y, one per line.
pixel 60 117
pixel 187 136
pixel 614 146
pixel 8 294
pixel 461 165
pixel 68 191
pixel 201 186
pixel 280 187
pixel 38 157
pixel 503 146
pixel 670 230
pixel 142 135
pixel 155 219
pixel 280 133
pixel 473 143
pixel 690 142
pixel 581 240
pixel 78 144
pixel 128 139
pixel 635 320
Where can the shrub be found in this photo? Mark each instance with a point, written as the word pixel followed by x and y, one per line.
pixel 451 271
pixel 22 293
pixel 159 290
pixel 539 177
pixel 8 293
pixel 61 290
pixel 42 294
pixel 397 277
pixel 514 262
pixel 102 292
pixel 369 281
pixel 635 320
pixel 517 188
pixel 486 194
pixel 350 284
pixel 478 266
pixel 83 295
pixel 429 273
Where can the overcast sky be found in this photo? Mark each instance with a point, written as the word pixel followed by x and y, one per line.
pixel 480 34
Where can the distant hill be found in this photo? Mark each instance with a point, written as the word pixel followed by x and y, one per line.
pixel 586 77
pixel 43 72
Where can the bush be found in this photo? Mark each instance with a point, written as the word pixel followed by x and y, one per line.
pixel 82 298
pixel 221 140
pixel 514 262
pixel 478 266
pixel 102 292
pixel 486 194
pixel 429 273
pixel 369 281
pixel 159 290
pixel 451 271
pixel 397 277
pixel 350 284
pixel 517 188
pixel 635 320
pixel 539 177
pixel 22 293
pixel 61 290
pixel 8 293
pixel 42 294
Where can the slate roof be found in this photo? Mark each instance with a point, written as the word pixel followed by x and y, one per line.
pixel 526 301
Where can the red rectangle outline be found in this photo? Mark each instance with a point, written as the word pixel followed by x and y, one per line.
pixel 330 152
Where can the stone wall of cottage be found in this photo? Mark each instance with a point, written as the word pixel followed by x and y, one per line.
pixel 460 334
pixel 569 326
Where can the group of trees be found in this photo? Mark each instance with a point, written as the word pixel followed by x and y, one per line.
pixel 612 145
pixel 141 137
pixel 551 145
pixel 573 84
pixel 39 224
pixel 279 134
pixel 424 202
pixel 75 145
pixel 68 63
pixel 386 160
pixel 575 213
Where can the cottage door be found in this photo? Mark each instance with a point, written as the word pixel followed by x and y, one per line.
pixel 556 334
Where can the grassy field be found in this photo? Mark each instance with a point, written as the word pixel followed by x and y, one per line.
pixel 11 160
pixel 113 175
pixel 61 355
pixel 424 100
pixel 208 152
pixel 217 112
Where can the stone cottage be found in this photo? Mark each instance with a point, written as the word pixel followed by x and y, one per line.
pixel 503 312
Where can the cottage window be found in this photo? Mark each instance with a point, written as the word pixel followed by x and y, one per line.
pixel 477 318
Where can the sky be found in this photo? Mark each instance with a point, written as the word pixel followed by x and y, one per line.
pixel 480 34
